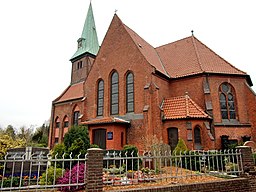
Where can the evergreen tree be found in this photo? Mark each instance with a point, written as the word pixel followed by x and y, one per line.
pixel 77 140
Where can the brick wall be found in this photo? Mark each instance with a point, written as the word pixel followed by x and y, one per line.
pixel 94 167
pixel 188 135
pixel 238 84
pixel 238 185
pixel 116 129
pixel 80 74
pixel 61 111
pixel 192 85
pixel 251 103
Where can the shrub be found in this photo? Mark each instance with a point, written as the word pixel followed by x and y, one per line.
pixel 15 182
pixel 75 175
pixel 50 176
pixel 181 147
pixel 77 147
pixel 132 164
pixel 94 146
pixel 58 151
pixel 77 132
pixel 114 170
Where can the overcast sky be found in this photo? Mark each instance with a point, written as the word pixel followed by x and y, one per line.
pixel 38 37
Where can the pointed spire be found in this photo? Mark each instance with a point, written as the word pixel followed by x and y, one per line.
pixel 88 42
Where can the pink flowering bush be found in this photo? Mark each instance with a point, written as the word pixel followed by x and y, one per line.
pixel 73 176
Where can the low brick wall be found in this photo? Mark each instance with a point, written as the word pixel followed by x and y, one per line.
pixel 238 185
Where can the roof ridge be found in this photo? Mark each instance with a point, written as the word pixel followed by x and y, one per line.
pixel 172 42
pixel 219 56
pixel 162 64
pixel 77 83
pixel 177 97
pixel 163 70
pixel 187 107
pixel 180 108
pixel 197 54
pixel 65 90
pixel 197 107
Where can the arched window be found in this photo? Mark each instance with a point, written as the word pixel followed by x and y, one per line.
pixel 227 102
pixel 76 115
pixel 114 94
pixel 129 93
pixel 197 135
pixel 100 100
pixel 65 126
pixel 57 122
pixel 173 137
pixel 57 130
pixel 197 138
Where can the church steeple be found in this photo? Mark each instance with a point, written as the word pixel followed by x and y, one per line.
pixel 88 42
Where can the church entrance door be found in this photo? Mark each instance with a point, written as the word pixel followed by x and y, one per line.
pixel 173 137
pixel 99 138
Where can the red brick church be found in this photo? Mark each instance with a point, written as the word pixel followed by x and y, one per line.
pixel 128 92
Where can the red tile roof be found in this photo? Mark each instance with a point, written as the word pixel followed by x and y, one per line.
pixel 181 58
pixel 181 108
pixel 189 56
pixel 74 91
pixel 185 57
pixel 105 120
pixel 147 50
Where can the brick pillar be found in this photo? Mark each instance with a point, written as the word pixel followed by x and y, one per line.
pixel 94 170
pixel 248 164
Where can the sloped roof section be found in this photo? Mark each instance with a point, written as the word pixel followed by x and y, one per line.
pixel 189 56
pixel 105 120
pixel 75 91
pixel 148 51
pixel 181 108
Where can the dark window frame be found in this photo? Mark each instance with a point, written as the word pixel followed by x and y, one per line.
pixel 66 124
pixel 227 102
pixel 56 140
pixel 79 65
pixel 100 98
pixel 114 94
pixel 76 115
pixel 57 124
pixel 197 135
pixel 129 92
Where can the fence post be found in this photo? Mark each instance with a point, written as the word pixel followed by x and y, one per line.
pixel 247 159
pixel 94 170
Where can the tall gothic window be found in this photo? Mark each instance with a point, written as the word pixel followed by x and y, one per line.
pixel 100 101
pixel 129 93
pixel 114 94
pixel 65 122
pixel 227 102
pixel 76 114
pixel 75 117
pixel 197 135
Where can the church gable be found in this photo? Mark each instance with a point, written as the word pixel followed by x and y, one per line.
pixel 122 46
pixel 118 54
pixel 148 51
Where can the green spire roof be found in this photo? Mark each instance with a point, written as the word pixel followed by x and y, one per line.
pixel 88 42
